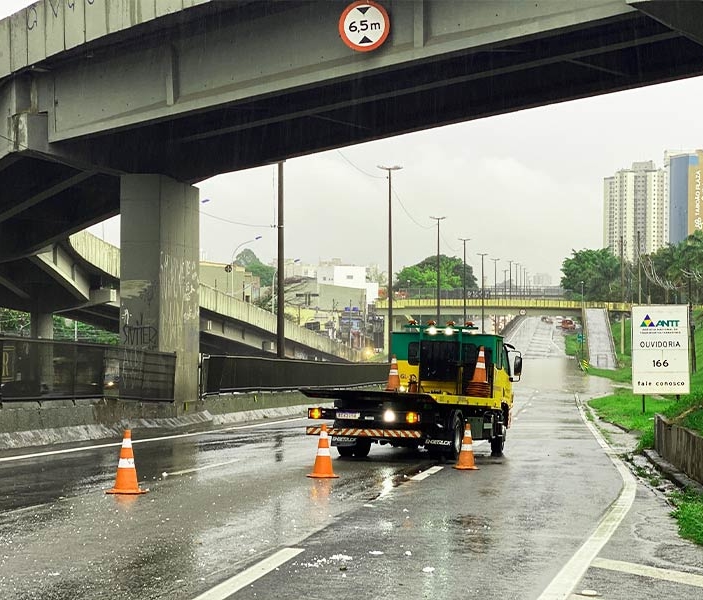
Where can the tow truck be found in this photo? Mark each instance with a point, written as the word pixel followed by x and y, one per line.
pixel 447 377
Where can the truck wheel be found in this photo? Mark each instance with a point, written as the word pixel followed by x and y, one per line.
pixel 457 438
pixel 345 451
pixel 498 443
pixel 362 448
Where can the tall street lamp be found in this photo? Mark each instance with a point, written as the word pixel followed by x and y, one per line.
pixel 390 170
pixel 510 280
pixel 231 262
pixel 483 295
pixel 438 219
pixel 464 240
pixel 495 276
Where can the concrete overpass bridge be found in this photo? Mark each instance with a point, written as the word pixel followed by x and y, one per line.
pixel 227 324
pixel 423 309
pixel 121 106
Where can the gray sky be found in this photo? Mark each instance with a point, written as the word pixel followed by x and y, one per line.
pixel 525 187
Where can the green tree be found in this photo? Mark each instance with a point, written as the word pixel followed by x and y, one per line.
pixel 424 274
pixel 247 259
pixel 598 269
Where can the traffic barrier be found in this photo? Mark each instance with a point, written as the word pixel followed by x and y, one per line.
pixel 479 386
pixel 393 377
pixel 322 469
pixel 465 460
pixel 126 481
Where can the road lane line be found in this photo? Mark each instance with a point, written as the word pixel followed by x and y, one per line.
pixel 426 474
pixel 573 571
pixel 646 571
pixel 143 441
pixel 250 575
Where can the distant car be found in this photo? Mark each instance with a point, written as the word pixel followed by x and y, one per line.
pixel 568 325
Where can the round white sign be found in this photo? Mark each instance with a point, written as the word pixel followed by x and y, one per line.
pixel 364 25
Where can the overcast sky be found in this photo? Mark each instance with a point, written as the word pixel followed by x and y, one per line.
pixel 526 186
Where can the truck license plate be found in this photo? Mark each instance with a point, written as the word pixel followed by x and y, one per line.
pixel 346 414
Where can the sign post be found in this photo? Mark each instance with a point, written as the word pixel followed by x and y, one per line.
pixel 660 357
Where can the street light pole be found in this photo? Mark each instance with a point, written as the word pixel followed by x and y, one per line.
pixel 495 276
pixel 510 280
pixel 231 262
pixel 438 219
pixel 483 295
pixel 464 240
pixel 390 170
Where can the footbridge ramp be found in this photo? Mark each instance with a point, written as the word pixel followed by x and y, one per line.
pixel 601 349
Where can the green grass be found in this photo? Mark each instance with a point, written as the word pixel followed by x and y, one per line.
pixel 625 409
pixel 689 514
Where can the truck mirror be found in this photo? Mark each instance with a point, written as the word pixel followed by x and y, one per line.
pixel 517 367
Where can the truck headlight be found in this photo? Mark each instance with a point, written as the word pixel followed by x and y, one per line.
pixel 389 416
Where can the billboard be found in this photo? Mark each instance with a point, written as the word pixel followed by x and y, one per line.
pixel 660 349
pixel 695 217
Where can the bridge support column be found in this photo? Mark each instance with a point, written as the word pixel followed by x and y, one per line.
pixel 159 304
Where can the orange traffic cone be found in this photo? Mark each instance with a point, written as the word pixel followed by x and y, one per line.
pixel 322 468
pixel 466 456
pixel 479 386
pixel 126 482
pixel 393 378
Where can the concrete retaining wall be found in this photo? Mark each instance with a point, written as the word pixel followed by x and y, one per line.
pixel 24 424
pixel 679 446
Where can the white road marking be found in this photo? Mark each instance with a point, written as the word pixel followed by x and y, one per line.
pixel 571 573
pixel 646 571
pixel 426 474
pixel 250 575
pixel 154 439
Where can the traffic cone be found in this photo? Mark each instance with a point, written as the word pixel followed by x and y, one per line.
pixel 466 456
pixel 393 378
pixel 126 481
pixel 322 468
pixel 479 386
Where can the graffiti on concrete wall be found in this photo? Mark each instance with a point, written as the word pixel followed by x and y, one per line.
pixel 179 298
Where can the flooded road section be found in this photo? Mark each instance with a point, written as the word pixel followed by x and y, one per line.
pixel 234 509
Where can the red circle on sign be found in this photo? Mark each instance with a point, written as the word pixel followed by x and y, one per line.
pixel 355 45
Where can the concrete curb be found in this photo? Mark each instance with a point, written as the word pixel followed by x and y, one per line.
pixel 671 472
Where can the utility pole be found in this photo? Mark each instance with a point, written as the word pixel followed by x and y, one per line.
pixel 280 317
pixel 389 170
pixel 438 219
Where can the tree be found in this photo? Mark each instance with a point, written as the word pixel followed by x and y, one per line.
pixel 247 259
pixel 424 274
pixel 598 269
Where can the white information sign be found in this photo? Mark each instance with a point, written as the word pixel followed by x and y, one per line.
pixel 660 349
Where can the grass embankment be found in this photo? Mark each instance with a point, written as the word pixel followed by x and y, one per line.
pixel 626 410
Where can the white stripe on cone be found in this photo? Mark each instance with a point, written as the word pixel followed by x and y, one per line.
pixel 125 463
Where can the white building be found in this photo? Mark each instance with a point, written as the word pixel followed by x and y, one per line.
pixel 636 210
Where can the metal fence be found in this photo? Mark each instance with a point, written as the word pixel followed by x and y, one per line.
pixel 246 374
pixel 49 370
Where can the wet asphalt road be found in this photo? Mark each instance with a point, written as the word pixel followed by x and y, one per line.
pixel 221 502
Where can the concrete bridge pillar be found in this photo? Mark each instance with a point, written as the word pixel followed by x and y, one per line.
pixel 159 305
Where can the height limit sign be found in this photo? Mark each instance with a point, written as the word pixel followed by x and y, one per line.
pixel 364 26
pixel 660 349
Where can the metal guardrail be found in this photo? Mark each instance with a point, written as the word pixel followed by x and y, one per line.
pixel 223 374
pixel 39 370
